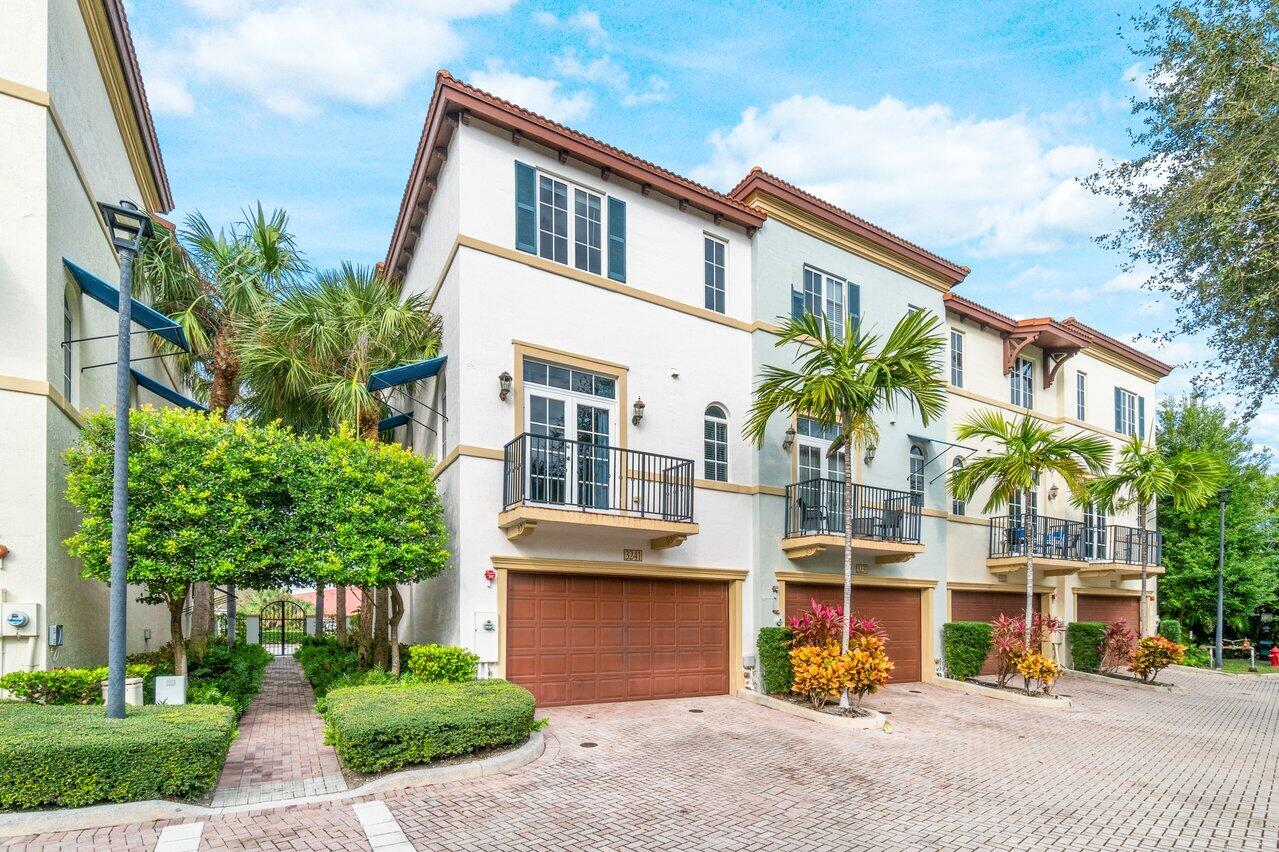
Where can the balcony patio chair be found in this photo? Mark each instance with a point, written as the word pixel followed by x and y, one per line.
pixel 811 518
pixel 889 526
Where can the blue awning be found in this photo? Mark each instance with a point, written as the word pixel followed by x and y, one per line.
pixel 406 373
pixel 164 392
pixel 386 424
pixel 144 315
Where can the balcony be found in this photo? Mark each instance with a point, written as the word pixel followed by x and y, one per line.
pixel 1119 556
pixel 886 523
pixel 561 483
pixel 1059 546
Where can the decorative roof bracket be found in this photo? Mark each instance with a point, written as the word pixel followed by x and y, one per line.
pixel 1013 344
pixel 1053 359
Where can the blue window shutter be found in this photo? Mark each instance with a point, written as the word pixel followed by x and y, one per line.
pixel 616 239
pixel 525 208
pixel 854 304
pixel 796 304
pixel 1141 417
pixel 1119 410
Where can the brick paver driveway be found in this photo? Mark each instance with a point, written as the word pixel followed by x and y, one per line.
pixel 1125 769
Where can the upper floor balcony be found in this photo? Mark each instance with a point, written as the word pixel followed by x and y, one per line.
pixel 1120 554
pixel 558 482
pixel 1059 546
pixel 886 523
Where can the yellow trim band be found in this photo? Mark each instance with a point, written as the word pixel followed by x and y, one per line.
pixel 33 387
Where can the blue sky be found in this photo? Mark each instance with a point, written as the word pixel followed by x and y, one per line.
pixel 963 126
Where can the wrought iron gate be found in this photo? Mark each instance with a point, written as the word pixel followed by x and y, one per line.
pixel 282 626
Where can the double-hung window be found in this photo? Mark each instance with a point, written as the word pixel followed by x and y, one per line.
pixel 1081 396
pixel 1022 383
pixel 957 358
pixel 957 506
pixel 557 229
pixel 67 334
pixel 1129 412
pixel 714 273
pixel 824 298
pixel 715 444
pixel 916 479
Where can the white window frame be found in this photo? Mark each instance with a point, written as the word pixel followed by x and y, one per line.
pixel 1127 412
pixel 829 298
pixel 714 435
pixel 575 240
pixel 68 333
pixel 1095 527
pixel 956 358
pixel 957 506
pixel 1022 383
pixel 1081 395
pixel 915 478
pixel 715 275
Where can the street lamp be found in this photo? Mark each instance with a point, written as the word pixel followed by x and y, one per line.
pixel 1223 496
pixel 128 226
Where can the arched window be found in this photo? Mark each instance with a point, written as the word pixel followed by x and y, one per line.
pixel 958 507
pixel 68 352
pixel 917 474
pixel 715 443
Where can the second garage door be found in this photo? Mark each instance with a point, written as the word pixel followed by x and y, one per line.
pixel 1106 608
pixel 987 606
pixel 574 639
pixel 898 611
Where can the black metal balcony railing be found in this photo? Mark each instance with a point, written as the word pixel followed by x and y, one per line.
pixel 1051 538
pixel 567 474
pixel 816 507
pixel 1125 546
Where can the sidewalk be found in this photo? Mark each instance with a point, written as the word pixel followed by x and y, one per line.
pixel 280 753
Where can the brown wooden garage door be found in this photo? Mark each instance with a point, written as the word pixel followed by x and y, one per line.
pixel 1106 608
pixel 987 606
pixel 577 640
pixel 898 611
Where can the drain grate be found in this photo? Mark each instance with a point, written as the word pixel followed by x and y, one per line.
pixel 886 712
pixel 916 691
pixel 589 745
pixel 694 710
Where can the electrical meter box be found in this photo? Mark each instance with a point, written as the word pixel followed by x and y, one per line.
pixel 19 619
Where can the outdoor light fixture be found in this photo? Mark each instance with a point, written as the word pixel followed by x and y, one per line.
pixel 4 551
pixel 504 385
pixel 637 412
pixel 1052 493
pixel 870 454
pixel 127 224
pixel 788 440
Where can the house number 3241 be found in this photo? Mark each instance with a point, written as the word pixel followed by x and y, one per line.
pixel 632 555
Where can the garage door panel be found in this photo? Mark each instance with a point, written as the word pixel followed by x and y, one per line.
pixel 987 606
pixel 588 639
pixel 899 612
pixel 1107 608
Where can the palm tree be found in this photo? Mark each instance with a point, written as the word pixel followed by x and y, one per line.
pixel 308 364
pixel 843 382
pixel 1025 448
pixel 214 284
pixel 1142 476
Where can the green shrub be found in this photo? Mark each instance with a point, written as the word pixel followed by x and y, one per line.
pixel 966 645
pixel 1198 656
pixel 442 663
pixel 364 677
pixel 378 728
pixel 75 756
pixel 1085 644
pixel 1170 628
pixel 773 647
pixel 64 686
pixel 324 661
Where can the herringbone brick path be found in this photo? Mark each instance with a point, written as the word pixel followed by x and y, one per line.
pixel 1126 769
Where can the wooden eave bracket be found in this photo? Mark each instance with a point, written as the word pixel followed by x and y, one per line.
pixel 521 530
pixel 1053 359
pixel 667 541
pixel 1013 344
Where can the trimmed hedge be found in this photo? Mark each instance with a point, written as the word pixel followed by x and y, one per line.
pixel 442 663
pixel 1085 644
pixel 1170 628
pixel 380 728
pixel 773 647
pixel 64 686
pixel 72 756
pixel 966 646
pixel 325 661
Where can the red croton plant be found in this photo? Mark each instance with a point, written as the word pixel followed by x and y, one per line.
pixel 1117 646
pixel 821 625
pixel 1011 642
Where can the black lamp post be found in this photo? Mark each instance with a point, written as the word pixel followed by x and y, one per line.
pixel 128 226
pixel 1223 496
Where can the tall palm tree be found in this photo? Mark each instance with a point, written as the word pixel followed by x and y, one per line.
pixel 843 381
pixel 1142 476
pixel 308 363
pixel 1024 449
pixel 215 284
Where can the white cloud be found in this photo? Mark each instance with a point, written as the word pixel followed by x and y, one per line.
pixel 168 96
pixel 655 91
pixel 294 56
pixel 995 186
pixel 599 70
pixel 583 21
pixel 535 93
pixel 1128 281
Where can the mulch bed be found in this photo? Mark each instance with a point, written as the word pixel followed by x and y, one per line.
pixel 1012 689
pixel 828 708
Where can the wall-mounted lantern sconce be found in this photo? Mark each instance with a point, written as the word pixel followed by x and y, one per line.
pixel 504 385
pixel 788 440
pixel 870 454
pixel 4 551
pixel 1052 493
pixel 637 412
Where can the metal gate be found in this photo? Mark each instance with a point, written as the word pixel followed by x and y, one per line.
pixel 283 625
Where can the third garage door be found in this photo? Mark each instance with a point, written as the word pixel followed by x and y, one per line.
pixel 1106 608
pixel 987 606
pixel 580 639
pixel 898 611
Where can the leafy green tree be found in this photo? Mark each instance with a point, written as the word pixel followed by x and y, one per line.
pixel 258 598
pixel 1144 475
pixel 1200 204
pixel 1188 590
pixel 1023 449
pixel 205 500
pixel 844 381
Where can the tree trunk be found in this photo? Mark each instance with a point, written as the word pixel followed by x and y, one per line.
pixel 366 627
pixel 397 612
pixel 201 615
pixel 339 611
pixel 368 425
pixel 1030 570
pixel 1141 605
pixel 319 610
pixel 381 647
pixel 176 605
pixel 848 558
pixel 225 369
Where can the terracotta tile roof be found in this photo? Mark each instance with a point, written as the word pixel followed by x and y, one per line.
pixel 758 176
pixel 119 26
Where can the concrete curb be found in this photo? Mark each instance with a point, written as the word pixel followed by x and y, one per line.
pixel 1055 702
pixel 871 722
pixel 126 813
pixel 1119 681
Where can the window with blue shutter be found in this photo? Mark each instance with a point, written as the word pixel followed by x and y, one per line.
pixel 1130 413
pixel 616 239
pixel 854 304
pixel 796 304
pixel 525 208
pixel 1141 417
pixel 1119 410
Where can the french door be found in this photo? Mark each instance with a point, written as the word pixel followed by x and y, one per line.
pixel 570 456
pixel 821 479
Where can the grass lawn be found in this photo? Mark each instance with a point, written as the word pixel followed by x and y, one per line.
pixel 1241 666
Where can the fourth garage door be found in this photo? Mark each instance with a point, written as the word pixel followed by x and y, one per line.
pixel 1106 608
pixel 987 606
pixel 577 639
pixel 898 611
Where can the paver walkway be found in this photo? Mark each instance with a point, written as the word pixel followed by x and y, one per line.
pixel 280 753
